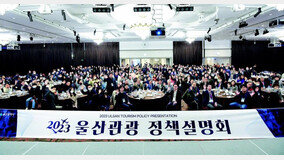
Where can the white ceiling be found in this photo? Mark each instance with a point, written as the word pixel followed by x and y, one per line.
pixel 51 28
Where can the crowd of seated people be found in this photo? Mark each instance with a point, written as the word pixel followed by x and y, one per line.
pixel 106 88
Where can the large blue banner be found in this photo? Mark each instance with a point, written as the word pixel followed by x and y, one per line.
pixel 274 120
pixel 8 123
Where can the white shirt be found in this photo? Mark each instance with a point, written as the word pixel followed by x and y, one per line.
pixel 175 96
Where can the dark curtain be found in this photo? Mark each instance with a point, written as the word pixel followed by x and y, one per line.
pixel 78 52
pixel 187 53
pixel 45 58
pixel 106 54
pixel 35 57
pixel 249 53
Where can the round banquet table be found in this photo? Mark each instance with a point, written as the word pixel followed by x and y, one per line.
pixel 148 100
pixel 271 90
pixel 269 95
pixel 67 102
pixel 16 100
pixel 254 78
pixel 225 99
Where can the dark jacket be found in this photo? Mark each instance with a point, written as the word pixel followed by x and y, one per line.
pixel 50 99
pixel 206 98
pixel 178 97
pixel 121 98
pixel 246 97
pixel 188 96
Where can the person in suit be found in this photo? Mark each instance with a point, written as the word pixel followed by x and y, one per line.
pixel 204 83
pixel 209 100
pixel 51 97
pixel 243 99
pixel 195 89
pixel 122 100
pixel 263 83
pixel 104 101
pixel 257 98
pixel 190 100
pixel 175 99
pixel 111 84
pixel 219 84
pixel 276 99
pixel 91 97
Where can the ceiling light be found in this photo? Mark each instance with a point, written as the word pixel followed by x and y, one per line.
pixel 99 35
pixel 44 9
pixel 256 33
pixel 238 7
pixel 258 12
pixel 243 24
pixel 208 30
pixel 112 7
pixel 142 30
pixel 195 34
pixel 142 9
pixel 98 41
pixel 140 22
pixel 30 16
pixel 101 9
pixel 18 38
pixel 216 20
pixel 78 38
pixel 186 8
pixel 265 31
pixel 208 38
pixel 63 14
pixel 190 40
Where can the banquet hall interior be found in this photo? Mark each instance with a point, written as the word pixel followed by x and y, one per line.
pixel 111 58
pixel 102 58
